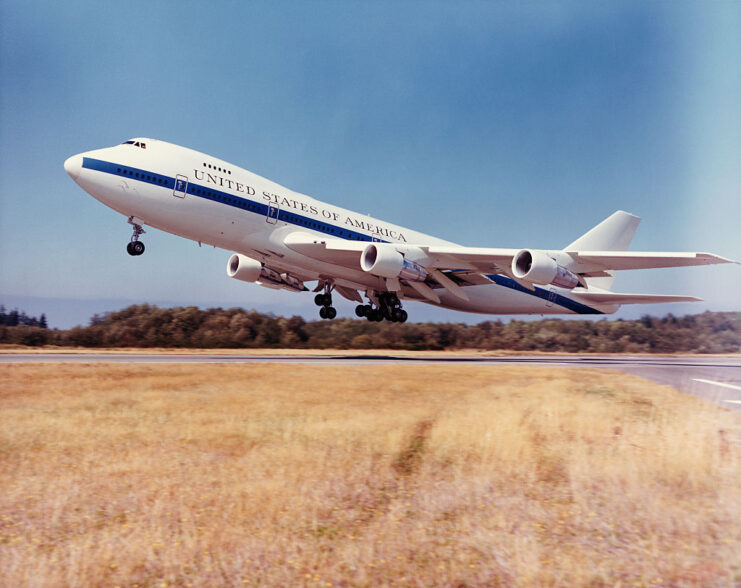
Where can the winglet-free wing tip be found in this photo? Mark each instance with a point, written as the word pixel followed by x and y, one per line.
pixel 712 258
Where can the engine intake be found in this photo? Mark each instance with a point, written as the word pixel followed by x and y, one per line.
pixel 241 267
pixel 387 262
pixel 538 267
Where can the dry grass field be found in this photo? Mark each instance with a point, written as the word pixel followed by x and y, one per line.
pixel 275 475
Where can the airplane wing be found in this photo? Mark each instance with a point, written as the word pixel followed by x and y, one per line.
pixel 488 259
pixel 496 260
pixel 629 260
pixel 452 267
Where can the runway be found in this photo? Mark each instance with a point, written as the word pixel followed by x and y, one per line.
pixel 715 378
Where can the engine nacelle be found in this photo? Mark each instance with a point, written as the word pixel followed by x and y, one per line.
pixel 537 267
pixel 241 267
pixel 387 262
pixel 247 269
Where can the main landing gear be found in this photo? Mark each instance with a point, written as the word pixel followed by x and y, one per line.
pixel 135 247
pixel 389 308
pixel 327 311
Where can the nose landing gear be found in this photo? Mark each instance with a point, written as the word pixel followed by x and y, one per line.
pixel 135 247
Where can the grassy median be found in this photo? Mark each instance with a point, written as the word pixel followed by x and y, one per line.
pixel 263 474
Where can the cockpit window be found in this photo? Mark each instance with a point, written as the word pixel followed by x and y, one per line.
pixel 135 144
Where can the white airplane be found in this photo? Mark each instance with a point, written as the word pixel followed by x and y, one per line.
pixel 283 239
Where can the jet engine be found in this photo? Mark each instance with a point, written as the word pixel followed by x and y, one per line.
pixel 537 267
pixel 387 262
pixel 247 269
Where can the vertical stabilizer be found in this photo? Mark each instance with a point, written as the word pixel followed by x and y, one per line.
pixel 613 234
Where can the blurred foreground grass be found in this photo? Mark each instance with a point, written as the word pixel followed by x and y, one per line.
pixel 284 475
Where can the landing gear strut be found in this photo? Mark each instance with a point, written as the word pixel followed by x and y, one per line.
pixel 135 247
pixel 327 311
pixel 389 308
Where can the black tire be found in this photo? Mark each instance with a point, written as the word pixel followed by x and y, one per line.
pixel 372 315
pixel 331 312
pixel 323 312
pixel 396 315
pixel 137 247
pixel 129 248
pixel 319 299
pixel 403 316
pixel 360 310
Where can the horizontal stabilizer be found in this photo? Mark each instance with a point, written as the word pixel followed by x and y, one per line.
pixel 616 298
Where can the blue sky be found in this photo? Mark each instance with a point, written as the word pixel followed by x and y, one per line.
pixel 489 124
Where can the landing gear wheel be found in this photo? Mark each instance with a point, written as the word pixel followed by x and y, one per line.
pixel 396 315
pixel 403 316
pixel 323 299
pixel 361 310
pixel 135 247
pixel 328 312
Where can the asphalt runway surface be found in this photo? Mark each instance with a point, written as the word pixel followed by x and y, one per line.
pixel 715 378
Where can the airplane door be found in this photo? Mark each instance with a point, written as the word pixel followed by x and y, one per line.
pixel 272 216
pixel 181 186
pixel 551 297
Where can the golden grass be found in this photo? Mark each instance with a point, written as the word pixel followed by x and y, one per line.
pixel 281 475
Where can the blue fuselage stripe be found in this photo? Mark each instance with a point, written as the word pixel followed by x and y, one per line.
pixel 292 218
pixel 219 196
pixel 546 295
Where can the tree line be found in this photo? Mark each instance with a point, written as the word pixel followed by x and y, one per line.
pixel 190 327
pixel 15 317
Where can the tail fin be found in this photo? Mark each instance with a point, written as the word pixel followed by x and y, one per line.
pixel 613 234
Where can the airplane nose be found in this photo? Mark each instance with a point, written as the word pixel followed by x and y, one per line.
pixel 73 165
